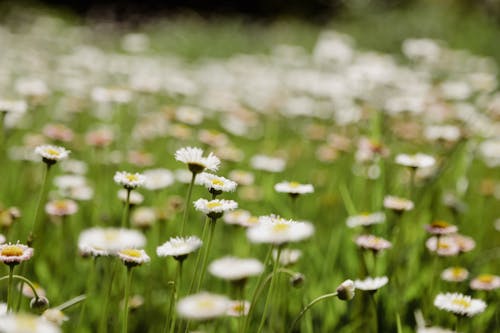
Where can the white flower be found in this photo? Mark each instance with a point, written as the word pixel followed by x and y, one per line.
pixel 133 257
pixel 242 177
pixel 370 283
pixel 276 230
pixel 434 329
pixel 179 246
pixel 485 282
pixel 215 208
pixel 293 188
pixel 129 180
pixel 51 154
pixel 157 179
pixel 238 308
pixel 108 241
pixel 454 274
pixel 459 304
pixel 143 217
pixel 216 184
pixel 444 132
pixel 234 269
pixel 365 219
pixel 268 163
pixel 238 217
pixel 193 157
pixel 12 106
pixel 203 306
pixel 415 161
pixel 63 207
pixel 26 323
pixel 288 256
pixel 346 290
pixel 55 316
pixel 13 254
pixel 398 204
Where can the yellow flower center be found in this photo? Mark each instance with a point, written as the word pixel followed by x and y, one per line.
pixel 440 224
pixel 60 204
pixel 485 278
pixel 213 204
pixel 132 178
pixel 443 245
pixel 12 251
pixel 110 235
pixel 280 227
pixel 52 152
pixel 131 253
pixel 206 304
pixel 461 302
pixel 457 271
pixel 239 307
pixel 294 184
pixel 26 323
pixel 253 220
pixel 217 182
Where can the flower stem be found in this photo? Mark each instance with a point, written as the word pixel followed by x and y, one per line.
pixel 41 198
pixel 104 314
pixel 173 300
pixel 308 306
pixel 271 289
pixel 127 296
pixel 375 315
pixel 198 254
pixel 188 200
pixel 126 210
pixel 10 289
pixel 71 302
pixel 207 251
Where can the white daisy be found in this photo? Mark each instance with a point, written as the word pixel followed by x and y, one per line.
pixel 415 161
pixel 397 204
pixel 51 154
pixel 276 230
pixel 459 304
pixel 365 219
pixel 108 241
pixel 371 284
pixel 454 274
pixel 346 290
pixel 157 179
pixel 215 184
pixel 14 254
pixel 129 180
pixel 215 208
pixel 238 308
pixel 143 217
pixel 237 216
pixel 55 316
pixel 293 188
pixel 179 247
pixel 268 163
pixel 2 239
pixel 193 157
pixel 235 269
pixel 443 245
pixel 13 106
pixel 242 177
pixel 62 207
pixel 485 282
pixel 288 256
pixel 133 257
pixel 203 306
pixel 24 323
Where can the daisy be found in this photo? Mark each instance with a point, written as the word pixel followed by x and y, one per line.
pixel 215 184
pixel 293 188
pixel 465 243
pixel 133 257
pixel 238 308
pixel 129 180
pixel 51 154
pixel 58 132
pixel 416 161
pixel 23 323
pixel 55 316
pixel 242 177
pixel 397 204
pixel 268 163
pixel 346 290
pixel 143 217
pixel 157 179
pixel 459 304
pixel 237 217
pixel 14 254
pixel 443 245
pixel 99 241
pixel 179 247
pixel 455 274
pixel 195 161
pixel 63 207
pixel 365 219
pixel 235 269
pixel 441 228
pixel 215 208
pixel 276 230
pixel 288 256
pixel 371 242
pixel 371 284
pixel 203 306
pixel 485 282
pixel 102 137
pixel 13 106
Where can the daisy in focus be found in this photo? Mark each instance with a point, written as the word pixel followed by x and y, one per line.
pixel 14 254
pixel 215 184
pixel 179 247
pixel 133 257
pixel 51 154
pixel 195 161
pixel 129 180
pixel 215 208
pixel 459 304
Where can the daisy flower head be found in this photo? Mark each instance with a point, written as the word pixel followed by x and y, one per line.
pixel 51 154
pixel 238 308
pixel 371 242
pixel 443 245
pixel 459 304
pixel 276 230
pixel 288 256
pixel 268 163
pixel 62 207
pixel 133 257
pixel 242 177
pixel 195 161
pixel 454 274
pixel 55 316
pixel 293 188
pixel 371 284
pixel 485 282
pixel 465 243
pixel 237 217
pixel 397 204
pixel 235 269
pixel 203 306
pixel 215 208
pixel 215 184
pixel 23 323
pixel 441 228
pixel 417 161
pixel 99 241
pixel 157 179
pixel 143 217
pixel 179 247
pixel 14 254
pixel 129 180
pixel 365 219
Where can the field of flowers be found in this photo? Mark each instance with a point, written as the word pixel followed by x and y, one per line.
pixel 310 186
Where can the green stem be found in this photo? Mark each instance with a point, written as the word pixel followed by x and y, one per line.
pixel 127 296
pixel 89 292
pixel 271 289
pixel 198 254
pixel 126 210
pixel 23 279
pixel 375 315
pixel 71 302
pixel 107 297
pixel 207 251
pixel 41 198
pixel 10 290
pixel 173 301
pixel 308 306
pixel 188 201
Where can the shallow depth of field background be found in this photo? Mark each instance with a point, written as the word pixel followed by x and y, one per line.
pixel 200 48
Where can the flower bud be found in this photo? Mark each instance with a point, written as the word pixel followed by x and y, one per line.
pixel 297 280
pixel 345 291
pixel 39 304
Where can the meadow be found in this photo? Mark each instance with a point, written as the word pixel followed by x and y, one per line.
pixel 332 181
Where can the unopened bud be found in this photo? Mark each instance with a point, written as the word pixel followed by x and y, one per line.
pixel 297 280
pixel 345 291
pixel 39 304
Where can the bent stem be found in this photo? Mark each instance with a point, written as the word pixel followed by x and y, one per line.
pixel 271 289
pixel 127 296
pixel 188 200
pixel 308 306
